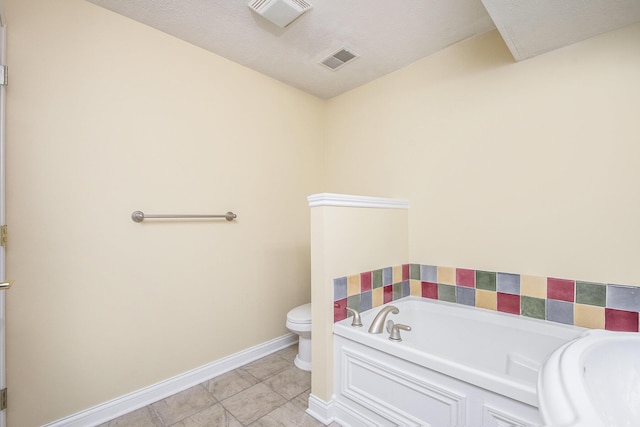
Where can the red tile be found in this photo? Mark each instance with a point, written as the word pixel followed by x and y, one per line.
pixel 339 310
pixel 405 272
pixel 561 289
pixel 387 294
pixel 365 281
pixel 465 277
pixel 620 320
pixel 508 303
pixel 429 290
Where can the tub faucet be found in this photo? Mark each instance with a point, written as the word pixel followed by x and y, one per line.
pixel 377 326
pixel 357 320
pixel 394 330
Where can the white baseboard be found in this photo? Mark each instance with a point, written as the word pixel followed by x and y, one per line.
pixel 321 410
pixel 130 402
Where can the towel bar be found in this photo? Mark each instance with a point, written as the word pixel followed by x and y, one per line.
pixel 139 216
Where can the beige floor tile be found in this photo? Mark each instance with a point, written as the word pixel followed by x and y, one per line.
pixel 267 366
pixel 236 398
pixel 290 382
pixel 226 385
pixel 253 403
pixel 288 415
pixel 288 353
pixel 142 417
pixel 214 415
pixel 182 405
pixel 302 400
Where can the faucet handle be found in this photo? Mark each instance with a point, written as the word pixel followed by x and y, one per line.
pixel 357 321
pixel 394 333
pixel 389 325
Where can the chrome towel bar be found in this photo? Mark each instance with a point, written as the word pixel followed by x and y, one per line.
pixel 139 216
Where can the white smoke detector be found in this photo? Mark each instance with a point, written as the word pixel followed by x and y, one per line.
pixel 280 12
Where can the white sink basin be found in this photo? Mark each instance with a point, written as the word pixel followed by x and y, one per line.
pixel 592 381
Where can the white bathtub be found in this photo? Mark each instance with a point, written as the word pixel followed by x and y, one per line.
pixel 459 366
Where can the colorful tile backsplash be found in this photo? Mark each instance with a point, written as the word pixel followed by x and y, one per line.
pixel 590 305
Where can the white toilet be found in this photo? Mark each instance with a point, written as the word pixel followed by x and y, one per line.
pixel 299 322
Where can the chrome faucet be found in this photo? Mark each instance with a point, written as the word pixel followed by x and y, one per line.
pixel 394 330
pixel 377 326
pixel 357 320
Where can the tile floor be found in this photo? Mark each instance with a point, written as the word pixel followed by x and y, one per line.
pixel 267 392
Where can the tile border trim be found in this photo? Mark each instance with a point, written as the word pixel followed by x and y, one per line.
pixel 607 306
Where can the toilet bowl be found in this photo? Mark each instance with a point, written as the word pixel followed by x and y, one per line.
pixel 299 322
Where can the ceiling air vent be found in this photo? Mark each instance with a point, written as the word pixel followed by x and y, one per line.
pixel 280 12
pixel 338 59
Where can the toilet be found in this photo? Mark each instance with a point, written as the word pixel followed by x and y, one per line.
pixel 299 322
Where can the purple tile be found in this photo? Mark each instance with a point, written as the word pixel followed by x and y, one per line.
pixel 429 273
pixel 406 288
pixel 466 296
pixel 366 301
pixel 339 288
pixel 508 283
pixel 623 297
pixel 560 311
pixel 387 276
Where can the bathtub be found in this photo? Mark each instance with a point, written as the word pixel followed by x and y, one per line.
pixel 458 366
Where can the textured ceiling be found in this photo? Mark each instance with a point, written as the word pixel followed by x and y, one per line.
pixel 533 27
pixel 386 35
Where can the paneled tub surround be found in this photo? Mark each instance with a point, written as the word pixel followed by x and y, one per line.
pixel 591 305
pixel 457 366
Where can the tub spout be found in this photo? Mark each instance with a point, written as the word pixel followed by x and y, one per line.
pixel 377 325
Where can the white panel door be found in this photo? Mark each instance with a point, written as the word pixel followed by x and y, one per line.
pixel 3 376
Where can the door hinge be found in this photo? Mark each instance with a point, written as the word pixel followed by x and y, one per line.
pixel 3 399
pixel 4 75
pixel 3 236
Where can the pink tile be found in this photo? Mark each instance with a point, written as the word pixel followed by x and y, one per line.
pixel 365 281
pixel 387 294
pixel 465 277
pixel 429 290
pixel 561 289
pixel 405 272
pixel 339 310
pixel 620 320
pixel 509 303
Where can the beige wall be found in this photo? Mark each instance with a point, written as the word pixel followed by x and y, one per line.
pixel 345 241
pixel 527 167
pixel 107 116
